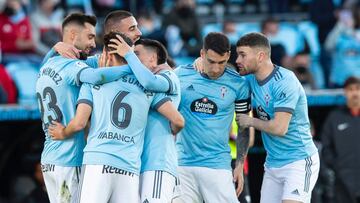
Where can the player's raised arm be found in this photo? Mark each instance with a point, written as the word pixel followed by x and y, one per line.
pixel 147 79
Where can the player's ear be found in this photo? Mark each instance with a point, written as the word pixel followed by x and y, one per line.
pixel 154 58
pixel 261 56
pixel 202 53
pixel 110 59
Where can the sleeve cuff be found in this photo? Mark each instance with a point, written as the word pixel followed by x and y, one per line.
pixel 85 101
pixel 284 109
pixel 161 102
pixel 78 82
pixel 171 88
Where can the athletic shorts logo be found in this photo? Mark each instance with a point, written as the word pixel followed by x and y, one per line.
pixel 113 170
pixel 262 114
pixel 295 192
pixel 47 168
pixel 204 107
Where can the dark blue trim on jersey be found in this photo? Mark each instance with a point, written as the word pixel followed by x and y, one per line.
pixel 85 101
pixel 170 91
pixel 78 82
pixel 268 78
pixel 161 102
pixel 284 109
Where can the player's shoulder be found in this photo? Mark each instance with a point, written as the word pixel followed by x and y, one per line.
pixel 184 70
pixel 284 75
pixel 284 79
pixel 230 72
pixel 233 76
pixel 169 74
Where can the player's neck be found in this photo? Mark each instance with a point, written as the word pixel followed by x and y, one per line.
pixel 264 71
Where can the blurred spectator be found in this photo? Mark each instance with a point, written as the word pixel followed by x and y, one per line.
pixel 301 67
pixel 270 28
pixel 102 7
pixel 46 22
pixel 15 33
pixel 182 29
pixel 39 194
pixel 323 191
pixel 323 14
pixel 229 29
pixel 150 26
pixel 8 87
pixel 343 42
pixel 71 6
pixel 340 138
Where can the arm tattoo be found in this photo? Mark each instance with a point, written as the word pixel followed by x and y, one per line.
pixel 242 144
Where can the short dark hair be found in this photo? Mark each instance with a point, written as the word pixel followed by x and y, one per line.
pixel 254 40
pixel 217 42
pixel 162 54
pixel 113 18
pixel 79 19
pixel 112 35
pixel 351 81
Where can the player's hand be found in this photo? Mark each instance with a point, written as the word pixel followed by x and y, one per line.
pixel 239 178
pixel 198 65
pixel 244 120
pixel 120 46
pixel 56 131
pixel 161 67
pixel 102 59
pixel 67 50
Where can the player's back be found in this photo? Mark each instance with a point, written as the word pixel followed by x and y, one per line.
pixel 282 92
pixel 118 121
pixel 57 90
pixel 159 146
pixel 208 108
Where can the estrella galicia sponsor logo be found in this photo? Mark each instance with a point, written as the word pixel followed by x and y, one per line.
pixel 116 136
pixel 113 170
pixel 204 107
pixel 262 114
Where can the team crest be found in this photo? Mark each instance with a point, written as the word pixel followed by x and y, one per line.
pixel 267 99
pixel 223 91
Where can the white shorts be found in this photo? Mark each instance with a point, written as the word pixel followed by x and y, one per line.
pixel 62 183
pixel 157 187
pixel 293 181
pixel 105 184
pixel 200 184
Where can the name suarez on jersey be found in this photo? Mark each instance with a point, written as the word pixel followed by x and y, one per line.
pixel 116 136
pixel 52 74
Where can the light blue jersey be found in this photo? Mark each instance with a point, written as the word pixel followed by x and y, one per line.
pixel 346 59
pixel 159 146
pixel 208 108
pixel 57 90
pixel 118 120
pixel 281 91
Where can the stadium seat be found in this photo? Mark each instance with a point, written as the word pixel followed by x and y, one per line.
pixel 24 75
pixel 247 27
pixel 211 27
